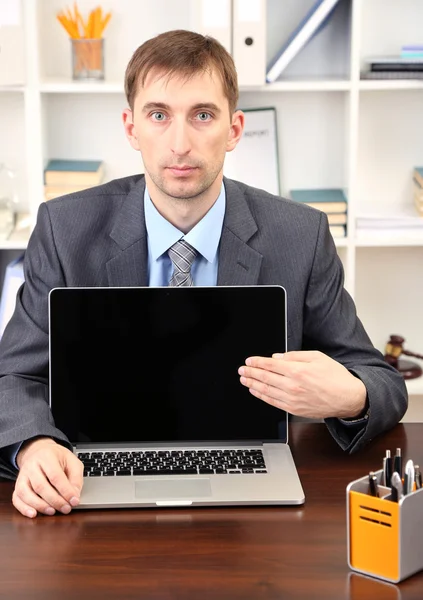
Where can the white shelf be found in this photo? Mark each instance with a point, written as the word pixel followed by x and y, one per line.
pixel 6 89
pixel 376 240
pixel 298 85
pixel 415 386
pixel 68 86
pixel 374 85
pixel 9 245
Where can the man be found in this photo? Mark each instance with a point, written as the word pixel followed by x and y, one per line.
pixel 182 94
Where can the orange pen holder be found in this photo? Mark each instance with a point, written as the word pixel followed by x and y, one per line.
pixel 384 538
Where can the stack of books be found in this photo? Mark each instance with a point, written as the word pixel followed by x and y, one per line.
pixel 331 201
pixel 66 176
pixel 407 65
pixel 418 189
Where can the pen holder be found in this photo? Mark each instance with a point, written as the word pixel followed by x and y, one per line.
pixel 383 537
pixel 87 58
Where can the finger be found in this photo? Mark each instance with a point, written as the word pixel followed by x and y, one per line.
pixel 298 355
pixel 75 473
pixel 56 489
pixel 25 509
pixel 28 502
pixel 270 385
pixel 279 403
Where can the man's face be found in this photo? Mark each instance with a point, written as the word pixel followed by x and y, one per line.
pixel 183 129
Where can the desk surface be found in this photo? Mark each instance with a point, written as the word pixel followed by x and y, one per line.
pixel 203 554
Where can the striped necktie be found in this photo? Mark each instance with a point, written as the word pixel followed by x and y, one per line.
pixel 182 256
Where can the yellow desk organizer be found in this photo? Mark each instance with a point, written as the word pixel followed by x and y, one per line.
pixel 384 537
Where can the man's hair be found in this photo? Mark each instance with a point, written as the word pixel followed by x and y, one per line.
pixel 185 53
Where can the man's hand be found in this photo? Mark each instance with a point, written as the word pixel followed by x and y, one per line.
pixel 305 383
pixel 50 478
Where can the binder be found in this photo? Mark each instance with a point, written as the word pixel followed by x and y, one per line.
pixel 309 26
pixel 214 18
pixel 12 43
pixel 249 41
pixel 13 278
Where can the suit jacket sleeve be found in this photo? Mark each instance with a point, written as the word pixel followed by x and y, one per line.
pixel 331 324
pixel 24 401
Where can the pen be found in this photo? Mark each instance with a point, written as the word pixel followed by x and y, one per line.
pixel 398 462
pixel 396 487
pixel 373 491
pixel 409 477
pixel 387 467
pixel 418 476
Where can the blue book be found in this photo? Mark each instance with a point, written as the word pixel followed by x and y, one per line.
pixel 312 22
pixel 328 200
pixel 73 172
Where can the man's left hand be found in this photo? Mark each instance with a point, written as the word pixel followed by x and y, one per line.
pixel 305 383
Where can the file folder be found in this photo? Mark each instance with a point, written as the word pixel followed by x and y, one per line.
pixel 249 41
pixel 214 18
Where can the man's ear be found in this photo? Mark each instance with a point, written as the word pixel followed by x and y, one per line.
pixel 235 132
pixel 128 125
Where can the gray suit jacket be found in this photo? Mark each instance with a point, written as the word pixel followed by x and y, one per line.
pixel 98 238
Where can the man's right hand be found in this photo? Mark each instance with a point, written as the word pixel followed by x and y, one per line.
pixel 50 478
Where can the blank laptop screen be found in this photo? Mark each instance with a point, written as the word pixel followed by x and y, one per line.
pixel 161 364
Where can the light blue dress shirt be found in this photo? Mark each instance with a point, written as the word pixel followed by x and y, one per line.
pixel 204 237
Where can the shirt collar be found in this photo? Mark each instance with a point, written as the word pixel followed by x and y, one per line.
pixel 204 237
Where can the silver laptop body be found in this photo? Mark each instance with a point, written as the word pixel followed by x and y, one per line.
pixel 144 383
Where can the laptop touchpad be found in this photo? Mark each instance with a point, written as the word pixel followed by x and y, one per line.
pixel 166 489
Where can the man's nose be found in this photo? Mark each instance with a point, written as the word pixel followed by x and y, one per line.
pixel 180 140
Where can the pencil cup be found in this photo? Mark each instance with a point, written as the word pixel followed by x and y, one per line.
pixel 87 58
pixel 383 537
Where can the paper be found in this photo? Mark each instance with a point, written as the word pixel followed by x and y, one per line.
pixel 10 12
pixel 255 159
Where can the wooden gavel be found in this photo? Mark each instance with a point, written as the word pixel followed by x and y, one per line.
pixel 393 350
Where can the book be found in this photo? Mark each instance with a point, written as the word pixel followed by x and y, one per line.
pixel 418 203
pixel 337 218
pixel 299 37
pixel 329 200
pixel 337 230
pixel 391 75
pixel 54 191
pixel 73 172
pixel 418 175
pixel 13 279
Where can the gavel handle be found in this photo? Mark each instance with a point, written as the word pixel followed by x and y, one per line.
pixel 408 353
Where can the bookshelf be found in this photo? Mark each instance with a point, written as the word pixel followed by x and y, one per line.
pixel 334 129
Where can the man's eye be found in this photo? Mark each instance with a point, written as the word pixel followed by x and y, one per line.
pixel 158 116
pixel 204 116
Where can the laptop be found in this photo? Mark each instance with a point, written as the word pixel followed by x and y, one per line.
pixel 144 383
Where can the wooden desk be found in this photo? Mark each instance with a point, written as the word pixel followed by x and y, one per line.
pixel 202 554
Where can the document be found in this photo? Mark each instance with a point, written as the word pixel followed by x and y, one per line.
pixel 255 159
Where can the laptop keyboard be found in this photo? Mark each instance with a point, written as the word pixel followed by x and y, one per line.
pixel 172 462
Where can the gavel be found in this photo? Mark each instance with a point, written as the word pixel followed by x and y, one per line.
pixel 393 350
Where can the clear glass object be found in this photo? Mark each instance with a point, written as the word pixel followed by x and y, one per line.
pixel 8 201
pixel 87 58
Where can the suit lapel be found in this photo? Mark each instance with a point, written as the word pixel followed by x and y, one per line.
pixel 129 266
pixel 239 264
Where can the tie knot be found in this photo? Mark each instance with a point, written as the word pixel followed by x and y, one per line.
pixel 182 256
